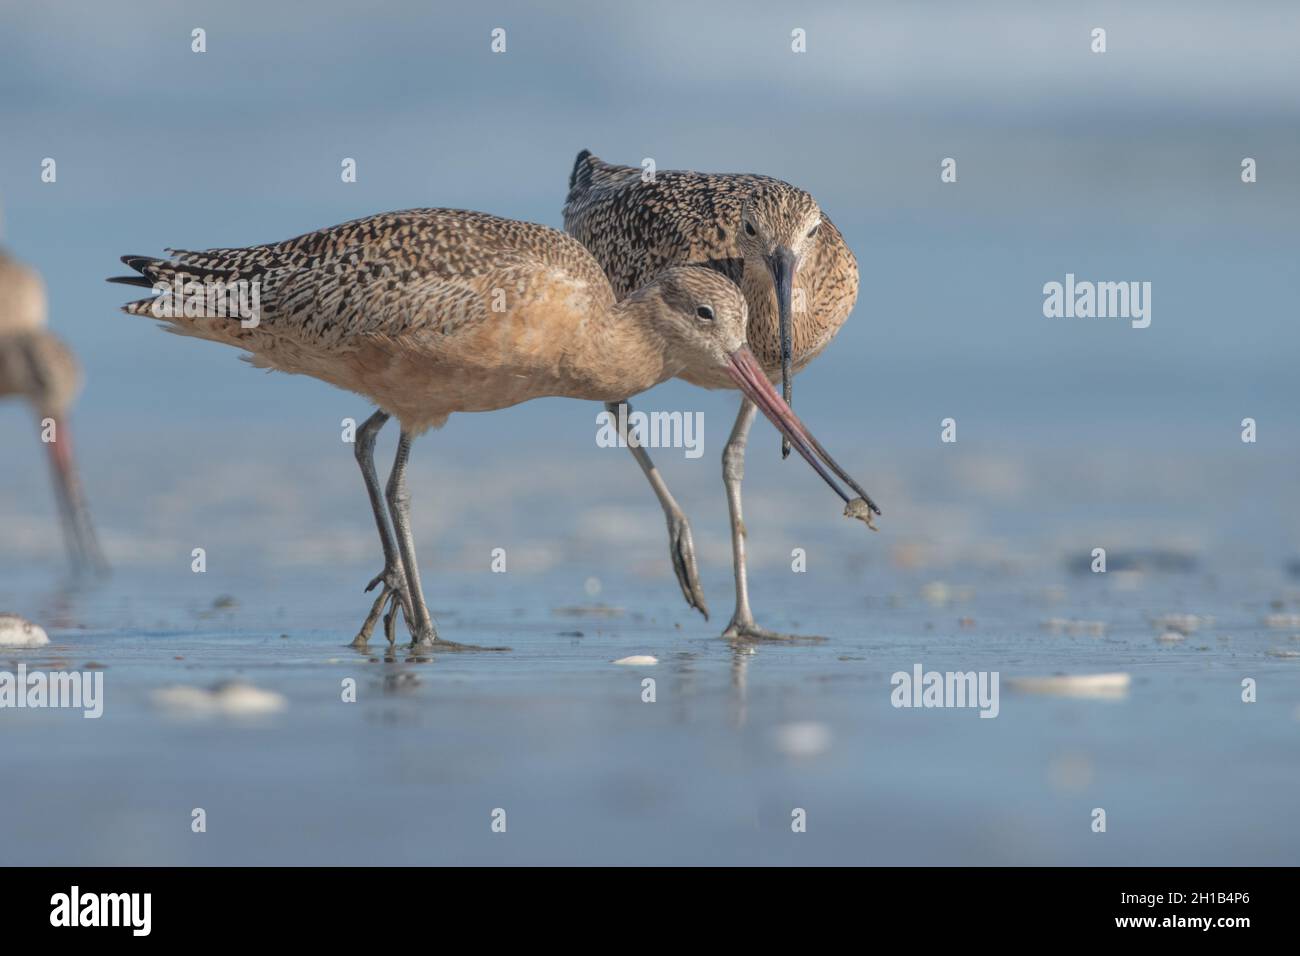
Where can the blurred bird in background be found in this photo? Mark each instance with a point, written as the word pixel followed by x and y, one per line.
pixel 37 366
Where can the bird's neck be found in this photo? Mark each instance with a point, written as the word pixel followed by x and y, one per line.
pixel 760 295
pixel 626 351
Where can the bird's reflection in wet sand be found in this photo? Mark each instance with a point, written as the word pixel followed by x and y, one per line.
pixel 741 652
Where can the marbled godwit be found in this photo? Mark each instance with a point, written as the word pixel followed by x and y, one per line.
pixel 797 274
pixel 37 366
pixel 433 311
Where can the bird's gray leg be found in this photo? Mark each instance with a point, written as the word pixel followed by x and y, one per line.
pixel 423 631
pixel 392 577
pixel 742 624
pixel 680 546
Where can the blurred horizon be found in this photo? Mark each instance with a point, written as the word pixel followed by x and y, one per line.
pixel 1116 166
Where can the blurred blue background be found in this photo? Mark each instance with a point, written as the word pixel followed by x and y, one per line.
pixel 1115 166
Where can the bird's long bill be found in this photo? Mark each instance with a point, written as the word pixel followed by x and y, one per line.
pixel 751 380
pixel 78 532
pixel 782 266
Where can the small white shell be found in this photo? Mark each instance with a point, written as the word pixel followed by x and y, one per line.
pixel 230 699
pixel 806 738
pixel 1074 685
pixel 18 632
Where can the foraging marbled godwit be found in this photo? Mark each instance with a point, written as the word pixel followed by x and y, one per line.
pixel 37 366
pixel 798 276
pixel 433 311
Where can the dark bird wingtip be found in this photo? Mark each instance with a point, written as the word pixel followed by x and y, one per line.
pixel 138 263
pixel 578 164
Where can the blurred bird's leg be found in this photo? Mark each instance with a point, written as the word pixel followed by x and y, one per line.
pixel 680 546
pixel 742 624
pixel 78 531
pixel 392 577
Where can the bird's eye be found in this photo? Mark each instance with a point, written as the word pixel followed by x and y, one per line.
pixel 749 229
pixel 813 231
pixel 704 312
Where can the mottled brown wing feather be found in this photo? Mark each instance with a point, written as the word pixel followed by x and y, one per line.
pixel 381 275
pixel 635 229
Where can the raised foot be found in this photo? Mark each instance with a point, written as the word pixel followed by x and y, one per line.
pixel 682 550
pixel 749 631
pixel 393 596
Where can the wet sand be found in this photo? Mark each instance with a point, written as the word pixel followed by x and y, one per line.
pixel 738 737
pixel 980 565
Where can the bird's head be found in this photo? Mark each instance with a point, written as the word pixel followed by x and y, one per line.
pixel 778 228
pixel 777 219
pixel 703 318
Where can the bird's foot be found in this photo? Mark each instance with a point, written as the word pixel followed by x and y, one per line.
pixel 428 640
pixel 682 550
pixel 393 596
pixel 747 630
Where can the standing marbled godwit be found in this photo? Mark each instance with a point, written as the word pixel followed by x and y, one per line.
pixel 797 274
pixel 433 311
pixel 37 366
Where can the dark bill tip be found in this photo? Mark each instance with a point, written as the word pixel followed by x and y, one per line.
pixel 750 378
